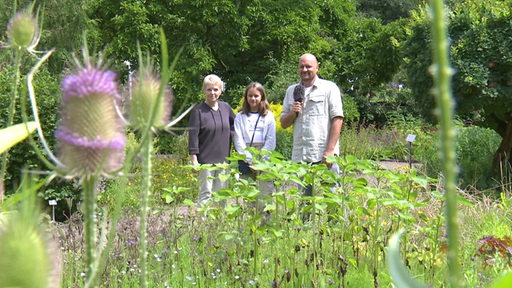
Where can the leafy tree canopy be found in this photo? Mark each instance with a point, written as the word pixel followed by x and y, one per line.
pixel 388 10
pixel 481 50
pixel 245 41
pixel 241 41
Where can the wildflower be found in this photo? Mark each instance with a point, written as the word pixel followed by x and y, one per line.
pixel 90 134
pixel 23 31
pixel 144 98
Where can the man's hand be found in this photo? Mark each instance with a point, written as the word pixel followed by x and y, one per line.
pixel 288 119
pixel 297 107
pixel 324 158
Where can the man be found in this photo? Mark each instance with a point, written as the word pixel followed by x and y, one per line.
pixel 317 116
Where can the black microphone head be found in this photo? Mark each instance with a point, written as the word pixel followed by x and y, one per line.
pixel 298 93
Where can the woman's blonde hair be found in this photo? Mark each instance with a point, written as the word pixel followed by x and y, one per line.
pixel 213 79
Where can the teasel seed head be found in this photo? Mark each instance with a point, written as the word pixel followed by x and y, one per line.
pixel 90 135
pixel 28 254
pixel 25 256
pixel 23 31
pixel 144 95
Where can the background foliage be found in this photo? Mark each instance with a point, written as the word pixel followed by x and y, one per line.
pixel 378 56
pixel 481 45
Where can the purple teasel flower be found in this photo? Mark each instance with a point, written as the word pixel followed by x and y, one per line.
pixel 91 137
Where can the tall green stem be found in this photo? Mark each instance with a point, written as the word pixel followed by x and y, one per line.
pixel 442 78
pixel 89 198
pixel 10 120
pixel 146 154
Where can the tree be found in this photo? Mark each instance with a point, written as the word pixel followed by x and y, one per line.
pixel 245 41
pixel 481 51
pixel 63 24
pixel 387 10
pixel 241 41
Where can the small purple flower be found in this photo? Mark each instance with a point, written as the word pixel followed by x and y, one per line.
pixel 90 80
pixel 131 242
pixel 91 135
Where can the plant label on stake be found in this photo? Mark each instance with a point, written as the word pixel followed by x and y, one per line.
pixel 52 203
pixel 410 138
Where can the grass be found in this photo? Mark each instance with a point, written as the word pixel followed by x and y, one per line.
pixel 343 244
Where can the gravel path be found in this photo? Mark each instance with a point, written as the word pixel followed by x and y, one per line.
pixel 398 165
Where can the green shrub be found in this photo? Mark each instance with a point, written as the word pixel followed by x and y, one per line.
pixel 48 97
pixel 427 151
pixel 358 141
pixel 350 111
pixel 169 172
pixel 387 143
pixel 67 194
pixel 475 150
pixel 172 144
pixel 130 183
pixel 284 142
pixel 164 143
pixel 284 137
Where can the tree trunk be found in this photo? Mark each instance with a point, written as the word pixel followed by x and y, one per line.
pixel 502 160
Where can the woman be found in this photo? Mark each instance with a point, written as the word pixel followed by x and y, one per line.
pixel 211 128
pixel 255 126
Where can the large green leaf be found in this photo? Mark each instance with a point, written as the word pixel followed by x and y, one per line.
pixel 503 281
pixel 12 135
pixel 398 270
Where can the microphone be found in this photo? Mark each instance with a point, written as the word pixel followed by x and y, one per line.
pixel 298 94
